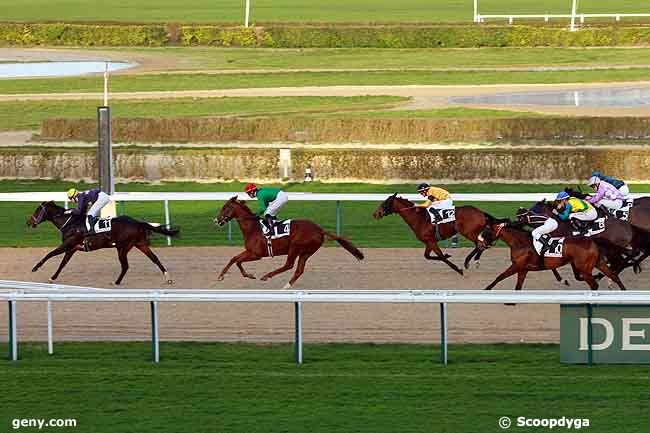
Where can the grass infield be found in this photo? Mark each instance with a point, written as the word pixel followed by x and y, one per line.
pixel 113 387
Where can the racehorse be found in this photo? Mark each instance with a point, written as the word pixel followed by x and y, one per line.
pixel 305 238
pixel 469 223
pixel 125 234
pixel 581 252
pixel 616 240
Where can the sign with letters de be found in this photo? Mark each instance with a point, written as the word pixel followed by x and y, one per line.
pixel 620 334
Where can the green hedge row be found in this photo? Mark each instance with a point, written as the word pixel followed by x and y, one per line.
pixel 343 36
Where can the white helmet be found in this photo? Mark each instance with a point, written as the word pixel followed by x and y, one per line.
pixel 593 180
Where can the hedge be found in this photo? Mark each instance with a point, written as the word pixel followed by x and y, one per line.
pixel 295 129
pixel 333 36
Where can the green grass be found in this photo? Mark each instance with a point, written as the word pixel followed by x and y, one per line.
pixel 195 218
pixel 424 11
pixel 241 388
pixel 170 82
pixel 21 115
pixel 200 58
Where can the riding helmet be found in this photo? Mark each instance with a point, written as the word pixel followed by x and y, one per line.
pixel 423 187
pixel 250 188
pixel 593 180
pixel 562 195
pixel 72 193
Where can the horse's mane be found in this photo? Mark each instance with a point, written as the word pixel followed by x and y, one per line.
pixel 242 204
pixel 402 199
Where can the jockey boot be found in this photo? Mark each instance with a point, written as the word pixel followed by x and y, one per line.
pixel 91 223
pixel 546 243
pixel 269 221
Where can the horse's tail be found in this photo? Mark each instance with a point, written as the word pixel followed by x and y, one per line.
pixel 172 232
pixel 356 252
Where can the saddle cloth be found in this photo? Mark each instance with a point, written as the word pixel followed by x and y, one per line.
pixel 597 227
pixel 441 216
pixel 280 229
pixel 103 225
pixel 623 213
pixel 555 250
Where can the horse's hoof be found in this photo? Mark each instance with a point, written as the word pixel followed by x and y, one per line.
pixel 286 286
pixel 566 283
pixel 51 280
pixel 264 278
pixel 170 282
pixel 510 304
pixel 35 268
pixel 220 278
pixel 252 277
pixel 477 264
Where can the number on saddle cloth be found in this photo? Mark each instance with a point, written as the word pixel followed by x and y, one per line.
pixel 590 228
pixel 280 229
pixel 623 213
pixel 555 247
pixel 103 225
pixel 441 216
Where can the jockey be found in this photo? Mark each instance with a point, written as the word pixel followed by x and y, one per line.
pixel 97 197
pixel 616 183
pixel 437 198
pixel 574 210
pixel 606 194
pixel 542 234
pixel 270 200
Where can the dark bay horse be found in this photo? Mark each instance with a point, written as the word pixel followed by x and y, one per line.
pixel 620 241
pixel 469 223
pixel 581 252
pixel 304 240
pixel 125 234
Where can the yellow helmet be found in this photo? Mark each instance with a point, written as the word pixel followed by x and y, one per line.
pixel 72 193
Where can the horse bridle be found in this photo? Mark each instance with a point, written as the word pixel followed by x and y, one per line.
pixel 39 219
pixel 532 218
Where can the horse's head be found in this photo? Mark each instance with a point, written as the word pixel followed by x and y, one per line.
pixel 233 208
pixel 575 193
pixel 391 205
pixel 44 212
pixel 490 233
pixel 536 215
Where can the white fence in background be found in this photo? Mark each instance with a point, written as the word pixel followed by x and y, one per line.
pixel 166 197
pixel 479 18
pixel 19 291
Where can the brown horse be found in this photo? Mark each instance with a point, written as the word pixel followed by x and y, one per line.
pixel 305 238
pixel 581 252
pixel 469 223
pixel 125 234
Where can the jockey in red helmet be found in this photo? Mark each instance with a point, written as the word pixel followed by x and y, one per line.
pixel 270 201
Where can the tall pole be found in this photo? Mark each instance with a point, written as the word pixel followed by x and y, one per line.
pixel 105 84
pixel 476 11
pixel 573 15
pixel 105 150
pixel 248 13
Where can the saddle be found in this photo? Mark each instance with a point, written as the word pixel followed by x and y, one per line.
pixel 588 228
pixel 279 229
pixel 441 216
pixel 623 213
pixel 554 246
pixel 102 225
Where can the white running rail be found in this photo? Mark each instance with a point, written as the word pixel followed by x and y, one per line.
pixel 15 291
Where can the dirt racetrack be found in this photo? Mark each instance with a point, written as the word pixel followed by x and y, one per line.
pixel 330 268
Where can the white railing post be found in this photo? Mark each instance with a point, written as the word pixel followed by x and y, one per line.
pixel 248 13
pixel 573 15
pixel 443 333
pixel 298 325
pixel 50 336
pixel 13 333
pixel 155 340
pixel 167 222
pixel 476 20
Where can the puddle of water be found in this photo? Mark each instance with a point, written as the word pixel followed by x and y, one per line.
pixel 58 69
pixel 606 97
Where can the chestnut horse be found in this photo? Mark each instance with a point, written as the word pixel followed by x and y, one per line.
pixel 125 234
pixel 581 252
pixel 305 238
pixel 469 223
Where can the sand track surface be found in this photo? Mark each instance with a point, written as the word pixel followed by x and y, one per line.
pixel 330 268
